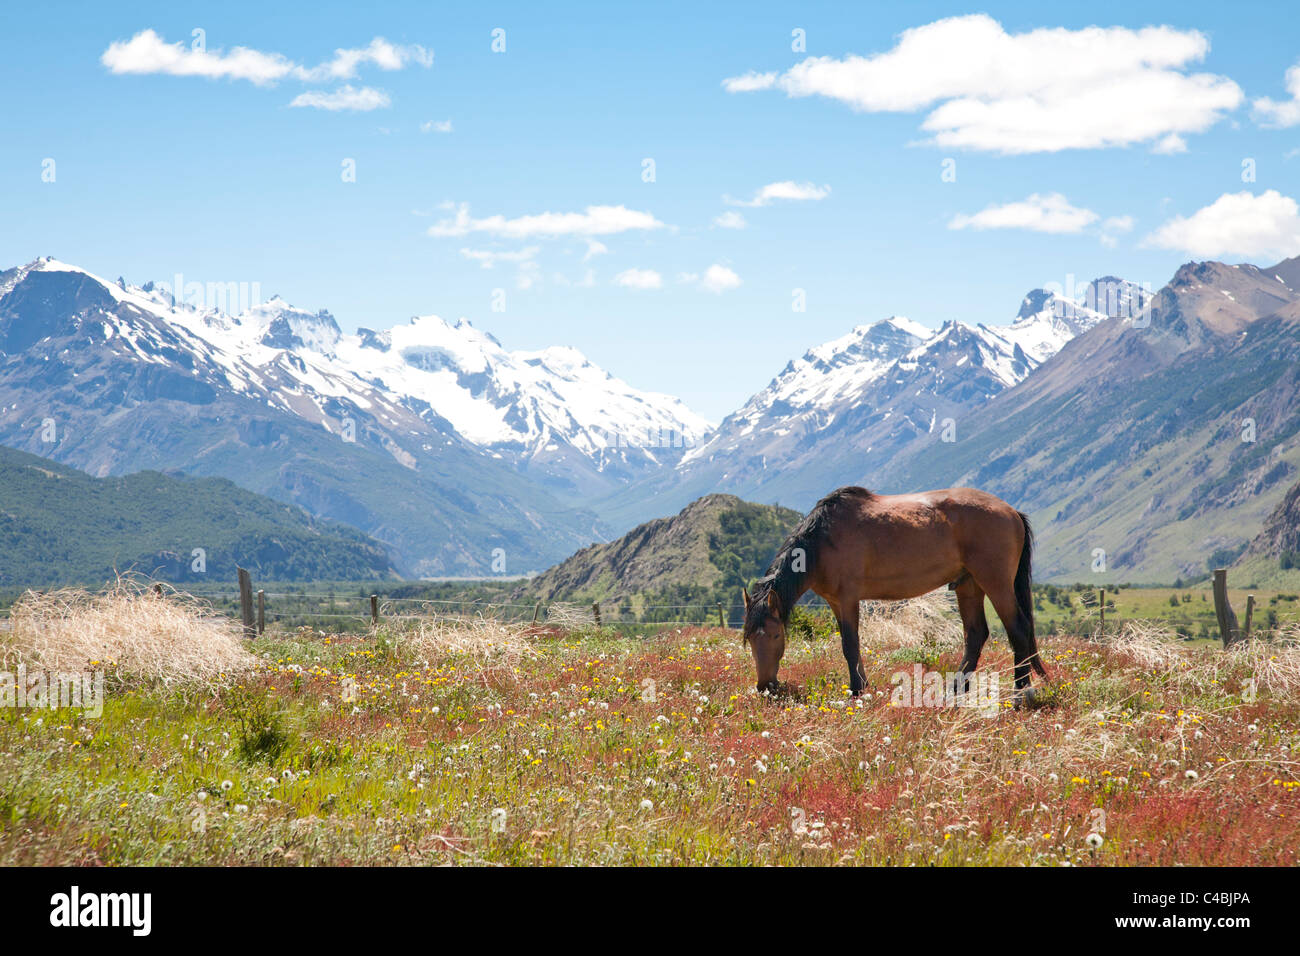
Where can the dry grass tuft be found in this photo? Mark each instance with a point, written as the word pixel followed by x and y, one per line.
pixel 486 641
pixel 570 617
pixel 1274 665
pixel 929 619
pixel 137 637
pixel 1150 644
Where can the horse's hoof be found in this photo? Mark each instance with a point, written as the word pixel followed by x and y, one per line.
pixel 1025 698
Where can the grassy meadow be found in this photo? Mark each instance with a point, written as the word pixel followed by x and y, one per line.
pixel 471 742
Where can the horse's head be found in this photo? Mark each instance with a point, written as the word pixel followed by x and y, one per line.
pixel 765 634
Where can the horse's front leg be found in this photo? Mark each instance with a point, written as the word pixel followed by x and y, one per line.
pixel 848 621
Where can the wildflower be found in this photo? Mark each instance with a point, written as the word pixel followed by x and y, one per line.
pixel 647 806
pixel 1094 840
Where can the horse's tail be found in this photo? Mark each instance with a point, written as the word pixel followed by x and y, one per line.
pixel 1025 594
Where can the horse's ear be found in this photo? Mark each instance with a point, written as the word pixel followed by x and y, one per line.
pixel 744 592
pixel 774 603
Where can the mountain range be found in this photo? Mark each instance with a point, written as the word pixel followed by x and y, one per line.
pixel 866 397
pixel 1109 414
pixel 462 457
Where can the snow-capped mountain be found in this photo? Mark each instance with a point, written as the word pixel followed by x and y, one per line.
pixel 895 379
pixel 431 435
pixel 838 413
pixel 542 409
pixel 811 391
pixel 551 412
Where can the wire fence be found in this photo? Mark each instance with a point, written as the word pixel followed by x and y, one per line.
pixel 351 608
pixel 357 611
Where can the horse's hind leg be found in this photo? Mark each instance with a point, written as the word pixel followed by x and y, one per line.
pixel 1017 625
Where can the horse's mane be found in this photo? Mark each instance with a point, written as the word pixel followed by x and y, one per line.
pixel 782 578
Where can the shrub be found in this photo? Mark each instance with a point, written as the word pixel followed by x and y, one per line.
pixel 259 726
pixel 811 625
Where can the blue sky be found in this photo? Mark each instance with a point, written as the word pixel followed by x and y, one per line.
pixel 222 179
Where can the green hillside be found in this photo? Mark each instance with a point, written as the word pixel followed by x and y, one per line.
pixel 679 565
pixel 59 525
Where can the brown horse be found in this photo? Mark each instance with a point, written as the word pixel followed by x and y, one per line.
pixel 856 545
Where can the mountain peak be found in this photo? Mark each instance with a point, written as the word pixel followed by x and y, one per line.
pixel 1221 298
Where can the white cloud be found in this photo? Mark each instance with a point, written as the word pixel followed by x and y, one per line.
pixel 1235 224
pixel 1113 225
pixel 730 220
pixel 380 53
pixel 1038 213
pixel 1043 90
pixel 639 279
pixel 1275 114
pixel 436 126
pixel 716 278
pixel 488 258
pixel 750 82
pixel 1170 144
pixel 786 189
pixel 593 221
pixel 147 52
pixel 344 98
pixel 594 248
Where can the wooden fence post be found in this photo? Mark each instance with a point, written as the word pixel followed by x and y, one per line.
pixel 536 611
pixel 246 604
pixel 1250 613
pixel 157 589
pixel 374 610
pixel 595 609
pixel 261 611
pixel 1223 609
pixel 722 621
pixel 1103 610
